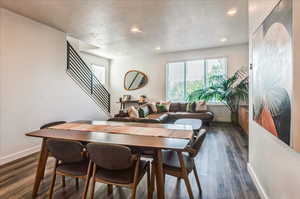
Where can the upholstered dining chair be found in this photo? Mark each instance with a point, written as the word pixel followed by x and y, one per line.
pixel 70 161
pixel 116 165
pixel 172 162
pixel 47 126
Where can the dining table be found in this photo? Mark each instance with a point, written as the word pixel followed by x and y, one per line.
pixel 152 136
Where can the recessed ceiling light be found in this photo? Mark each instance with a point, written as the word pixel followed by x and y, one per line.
pixel 135 30
pixel 232 12
pixel 157 48
pixel 224 39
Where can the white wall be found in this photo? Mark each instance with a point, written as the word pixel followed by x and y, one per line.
pixel 1 52
pixel 273 165
pixel 154 67
pixel 34 86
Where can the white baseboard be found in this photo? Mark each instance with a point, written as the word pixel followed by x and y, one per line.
pixel 18 155
pixel 259 187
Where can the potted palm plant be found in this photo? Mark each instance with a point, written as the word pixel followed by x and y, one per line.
pixel 229 91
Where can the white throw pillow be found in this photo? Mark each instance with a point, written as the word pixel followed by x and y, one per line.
pixel 133 112
pixel 201 106
pixel 167 104
pixel 153 107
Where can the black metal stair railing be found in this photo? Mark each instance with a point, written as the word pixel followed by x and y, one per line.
pixel 82 75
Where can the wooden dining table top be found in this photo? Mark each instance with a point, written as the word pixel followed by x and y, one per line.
pixel 138 124
pixel 118 138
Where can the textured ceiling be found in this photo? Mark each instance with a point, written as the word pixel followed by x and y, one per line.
pixel 174 25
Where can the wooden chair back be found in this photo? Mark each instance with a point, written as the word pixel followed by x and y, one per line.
pixel 66 151
pixel 110 156
pixel 195 146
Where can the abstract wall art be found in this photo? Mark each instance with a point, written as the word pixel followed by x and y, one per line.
pixel 272 72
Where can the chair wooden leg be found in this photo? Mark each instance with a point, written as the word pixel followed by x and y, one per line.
pixel 77 183
pixel 53 181
pixel 109 189
pixel 87 180
pixel 148 183
pixel 185 175
pixel 135 179
pixel 133 191
pixel 197 179
pixel 152 183
pixel 93 182
pixel 63 181
pixel 152 177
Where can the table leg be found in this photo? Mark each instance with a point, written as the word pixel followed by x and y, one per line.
pixel 40 168
pixel 159 175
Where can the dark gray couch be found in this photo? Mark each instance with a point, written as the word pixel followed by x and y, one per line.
pixel 176 111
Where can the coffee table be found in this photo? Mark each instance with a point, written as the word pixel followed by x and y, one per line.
pixel 195 123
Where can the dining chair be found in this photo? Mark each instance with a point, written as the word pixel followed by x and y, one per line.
pixel 47 126
pixel 116 165
pixel 52 124
pixel 70 160
pixel 172 162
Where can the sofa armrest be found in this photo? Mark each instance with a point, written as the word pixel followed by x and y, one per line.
pixel 164 118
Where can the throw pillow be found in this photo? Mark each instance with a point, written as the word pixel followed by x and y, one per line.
pixel 133 112
pixel 161 108
pixel 167 104
pixel 191 107
pixel 152 106
pixel 141 112
pixel 201 106
pixel 146 110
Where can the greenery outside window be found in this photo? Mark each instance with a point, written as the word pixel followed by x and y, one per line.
pixel 184 77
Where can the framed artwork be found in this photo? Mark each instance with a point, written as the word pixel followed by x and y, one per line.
pixel 272 72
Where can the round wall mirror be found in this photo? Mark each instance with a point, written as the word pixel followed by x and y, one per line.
pixel 134 80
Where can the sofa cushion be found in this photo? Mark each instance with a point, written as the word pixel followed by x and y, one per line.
pixel 144 110
pixel 161 108
pixel 152 106
pixel 174 107
pixel 167 104
pixel 207 115
pixel 190 107
pixel 141 112
pixel 133 112
pixel 182 107
pixel 200 106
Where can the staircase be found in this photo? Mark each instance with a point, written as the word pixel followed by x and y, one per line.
pixel 78 70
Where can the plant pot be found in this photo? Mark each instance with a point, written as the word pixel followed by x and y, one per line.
pixel 235 118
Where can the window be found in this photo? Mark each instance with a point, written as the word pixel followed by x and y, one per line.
pixel 99 72
pixel 185 77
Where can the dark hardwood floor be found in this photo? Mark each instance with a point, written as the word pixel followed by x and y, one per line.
pixel 221 164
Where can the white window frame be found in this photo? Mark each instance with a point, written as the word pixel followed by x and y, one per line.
pixel 92 65
pixel 205 70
